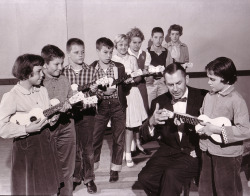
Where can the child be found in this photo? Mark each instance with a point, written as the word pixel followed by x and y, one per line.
pixel 156 55
pixel 178 50
pixel 80 73
pixel 135 112
pixel 112 106
pixel 221 163
pixel 34 168
pixel 64 131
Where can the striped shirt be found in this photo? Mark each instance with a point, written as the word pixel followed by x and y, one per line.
pixel 100 73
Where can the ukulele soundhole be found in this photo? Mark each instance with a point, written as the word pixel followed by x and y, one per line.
pixel 33 118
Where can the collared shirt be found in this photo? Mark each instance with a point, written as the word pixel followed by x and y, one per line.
pixel 58 88
pixel 231 105
pixel 100 73
pixel 86 75
pixel 133 54
pixel 175 51
pixel 20 99
pixel 179 52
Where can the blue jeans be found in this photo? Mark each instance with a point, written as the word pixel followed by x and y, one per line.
pixel 84 126
pixel 220 176
pixel 110 109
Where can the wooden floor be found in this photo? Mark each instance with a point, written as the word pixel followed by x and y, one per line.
pixel 126 186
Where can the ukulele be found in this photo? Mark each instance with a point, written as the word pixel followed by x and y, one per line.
pixel 24 118
pixel 106 81
pixel 220 121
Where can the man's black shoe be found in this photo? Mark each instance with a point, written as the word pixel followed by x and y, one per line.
pixel 113 176
pixel 91 187
pixel 76 182
pixel 144 151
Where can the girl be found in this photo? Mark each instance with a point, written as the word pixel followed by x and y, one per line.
pixel 135 39
pixel 135 112
pixel 178 50
pixel 221 162
pixel 35 169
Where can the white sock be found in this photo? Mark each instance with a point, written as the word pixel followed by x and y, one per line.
pixel 133 146
pixel 128 156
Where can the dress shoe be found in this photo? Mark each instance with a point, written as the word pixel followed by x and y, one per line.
pixel 76 182
pixel 134 153
pixel 113 176
pixel 144 151
pixel 91 187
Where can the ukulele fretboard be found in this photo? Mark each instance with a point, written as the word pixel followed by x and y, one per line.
pixel 53 109
pixel 188 119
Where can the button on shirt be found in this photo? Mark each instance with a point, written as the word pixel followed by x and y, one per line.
pixel 180 107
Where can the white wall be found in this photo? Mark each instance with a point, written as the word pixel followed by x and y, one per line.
pixel 211 28
pixel 28 25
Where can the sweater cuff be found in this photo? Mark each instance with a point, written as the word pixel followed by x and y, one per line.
pixel 224 135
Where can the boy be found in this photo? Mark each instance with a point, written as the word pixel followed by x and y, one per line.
pixel 63 132
pixel 112 106
pixel 178 50
pixel 156 55
pixel 81 74
pixel 221 163
pixel 34 168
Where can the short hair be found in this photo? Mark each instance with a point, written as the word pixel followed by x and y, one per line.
pixel 135 32
pixel 50 52
pixel 118 38
pixel 73 41
pixel 174 67
pixel 157 30
pixel 103 41
pixel 224 68
pixel 24 64
pixel 175 27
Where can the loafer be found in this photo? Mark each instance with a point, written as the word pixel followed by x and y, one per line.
pixel 76 182
pixel 91 187
pixel 113 176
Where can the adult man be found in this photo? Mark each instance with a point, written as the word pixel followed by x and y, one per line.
pixel 176 160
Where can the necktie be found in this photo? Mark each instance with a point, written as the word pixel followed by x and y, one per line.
pixel 184 99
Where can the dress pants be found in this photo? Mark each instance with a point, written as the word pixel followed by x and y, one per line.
pixel 84 125
pixel 166 175
pixel 65 141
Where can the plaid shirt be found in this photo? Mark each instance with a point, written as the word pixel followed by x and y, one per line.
pixel 85 76
pixel 100 73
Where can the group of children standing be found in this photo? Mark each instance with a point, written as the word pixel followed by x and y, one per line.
pixel 50 154
pixel 70 141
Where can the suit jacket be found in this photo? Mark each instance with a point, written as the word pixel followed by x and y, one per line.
pixel 170 143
